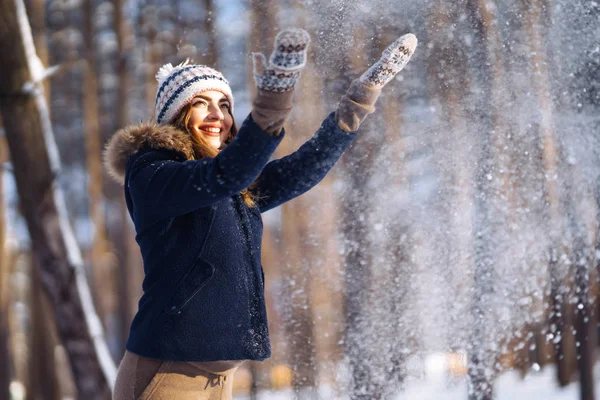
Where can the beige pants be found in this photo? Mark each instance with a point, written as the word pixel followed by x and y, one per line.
pixel 142 378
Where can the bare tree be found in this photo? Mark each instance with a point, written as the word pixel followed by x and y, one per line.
pixel 102 283
pixel 29 133
pixel 121 233
pixel 42 339
pixel 43 371
pixel 299 225
pixel 5 356
pixel 449 85
pixel 36 9
pixel 535 27
pixel 581 210
pixel 263 25
pixel 493 196
pixel 358 167
pixel 209 29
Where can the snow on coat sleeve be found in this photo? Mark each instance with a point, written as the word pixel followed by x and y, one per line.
pixel 162 187
pixel 286 178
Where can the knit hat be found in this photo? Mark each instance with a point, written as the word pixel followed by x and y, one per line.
pixel 178 85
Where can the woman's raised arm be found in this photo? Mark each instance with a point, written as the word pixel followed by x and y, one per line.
pixel 359 100
pixel 284 179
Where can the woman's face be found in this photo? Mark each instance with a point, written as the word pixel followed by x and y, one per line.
pixel 210 117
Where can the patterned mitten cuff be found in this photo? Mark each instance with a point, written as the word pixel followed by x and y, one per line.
pixel 286 61
pixel 355 105
pixel 393 60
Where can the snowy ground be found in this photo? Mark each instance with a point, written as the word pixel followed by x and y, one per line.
pixel 509 386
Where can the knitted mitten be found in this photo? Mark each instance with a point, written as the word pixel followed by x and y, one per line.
pixel 393 60
pixel 359 100
pixel 286 61
pixel 276 81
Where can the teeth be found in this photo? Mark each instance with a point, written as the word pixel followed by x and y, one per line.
pixel 212 130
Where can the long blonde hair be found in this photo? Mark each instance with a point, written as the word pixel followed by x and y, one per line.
pixel 203 149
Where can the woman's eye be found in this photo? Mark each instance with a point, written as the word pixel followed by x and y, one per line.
pixel 225 105
pixel 200 103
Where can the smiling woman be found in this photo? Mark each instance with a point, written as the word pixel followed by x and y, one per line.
pixel 195 188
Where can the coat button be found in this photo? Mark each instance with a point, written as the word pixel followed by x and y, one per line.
pixel 173 308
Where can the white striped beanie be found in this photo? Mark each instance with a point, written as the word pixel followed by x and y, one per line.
pixel 177 86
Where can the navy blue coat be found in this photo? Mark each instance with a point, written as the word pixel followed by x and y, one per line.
pixel 203 291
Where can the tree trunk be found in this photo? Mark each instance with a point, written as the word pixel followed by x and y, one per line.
pixel 103 281
pixel 42 338
pixel 31 143
pixel 5 356
pixel 581 210
pixel 262 28
pixel 493 197
pixel 211 57
pixel 43 368
pixel 152 56
pixel 123 232
pixel 449 86
pixel 585 319
pixel 358 164
pixel 308 227
pixel 534 28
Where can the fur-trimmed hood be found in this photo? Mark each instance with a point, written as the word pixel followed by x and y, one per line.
pixel 127 141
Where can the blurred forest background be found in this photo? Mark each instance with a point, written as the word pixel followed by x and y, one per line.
pixel 462 222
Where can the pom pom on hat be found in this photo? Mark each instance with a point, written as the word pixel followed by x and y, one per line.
pixel 178 85
pixel 164 71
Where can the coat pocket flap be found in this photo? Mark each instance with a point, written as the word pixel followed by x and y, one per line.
pixel 190 285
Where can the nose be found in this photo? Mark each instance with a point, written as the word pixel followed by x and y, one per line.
pixel 215 112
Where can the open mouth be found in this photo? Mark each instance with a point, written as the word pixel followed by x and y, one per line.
pixel 211 131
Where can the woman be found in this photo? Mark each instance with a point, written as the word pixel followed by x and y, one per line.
pixel 195 188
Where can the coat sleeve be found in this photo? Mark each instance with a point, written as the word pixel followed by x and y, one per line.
pixel 286 178
pixel 161 186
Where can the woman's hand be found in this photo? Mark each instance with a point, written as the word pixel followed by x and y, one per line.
pixel 359 100
pixel 276 81
pixel 286 61
pixel 393 59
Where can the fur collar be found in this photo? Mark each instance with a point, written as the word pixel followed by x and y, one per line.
pixel 129 140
